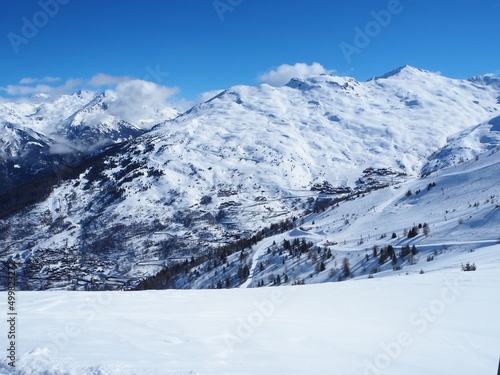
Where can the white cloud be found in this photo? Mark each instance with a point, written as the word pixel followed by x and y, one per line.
pixel 31 81
pixel 132 90
pixel 182 105
pixel 139 102
pixel 30 86
pixel 132 96
pixel 40 88
pixel 101 79
pixel 21 90
pixel 208 95
pixel 284 73
pixel 61 148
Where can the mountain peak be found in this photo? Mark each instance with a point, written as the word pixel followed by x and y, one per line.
pixel 40 95
pixel 84 93
pixel 404 71
pixel 300 83
pixel 321 80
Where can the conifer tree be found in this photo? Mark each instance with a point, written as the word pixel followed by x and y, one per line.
pixel 414 250
pixel 394 259
pixel 346 267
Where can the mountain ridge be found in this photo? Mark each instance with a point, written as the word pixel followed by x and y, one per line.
pixel 248 158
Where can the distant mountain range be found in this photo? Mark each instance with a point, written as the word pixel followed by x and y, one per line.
pixel 249 163
pixel 45 135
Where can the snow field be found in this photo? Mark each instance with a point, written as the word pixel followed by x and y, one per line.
pixel 444 321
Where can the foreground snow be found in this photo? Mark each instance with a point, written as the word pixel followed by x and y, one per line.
pixel 444 321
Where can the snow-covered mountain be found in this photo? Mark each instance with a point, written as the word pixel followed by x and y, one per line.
pixel 43 135
pixel 247 164
pixel 465 145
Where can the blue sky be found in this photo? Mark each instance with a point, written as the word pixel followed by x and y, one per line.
pixel 202 45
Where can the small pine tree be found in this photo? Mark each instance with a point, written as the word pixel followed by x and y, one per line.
pixel 413 232
pixel 303 246
pixel 414 250
pixel 346 267
pixel 383 256
pixel 246 271
pixel 469 267
pixel 394 260
pixel 405 250
pixel 286 245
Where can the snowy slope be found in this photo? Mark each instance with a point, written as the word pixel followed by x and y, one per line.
pixel 249 157
pixel 442 322
pixel 460 205
pixel 339 125
pixel 466 145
